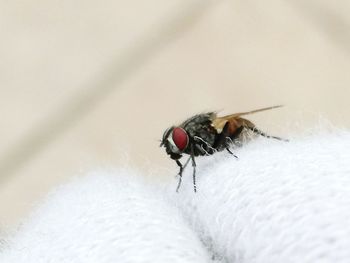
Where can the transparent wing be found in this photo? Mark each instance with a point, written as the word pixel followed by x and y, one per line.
pixel 219 122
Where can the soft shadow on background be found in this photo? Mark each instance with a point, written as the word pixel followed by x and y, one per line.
pixel 86 84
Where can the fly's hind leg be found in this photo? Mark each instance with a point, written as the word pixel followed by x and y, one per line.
pixel 230 152
pixel 249 125
pixel 226 140
pixel 261 133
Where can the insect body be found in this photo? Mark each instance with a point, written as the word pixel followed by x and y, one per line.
pixel 205 134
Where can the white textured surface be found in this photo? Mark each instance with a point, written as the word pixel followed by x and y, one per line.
pixel 280 202
pixel 105 218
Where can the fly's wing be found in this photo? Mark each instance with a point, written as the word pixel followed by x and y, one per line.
pixel 219 122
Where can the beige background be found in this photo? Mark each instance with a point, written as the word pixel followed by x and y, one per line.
pixel 86 84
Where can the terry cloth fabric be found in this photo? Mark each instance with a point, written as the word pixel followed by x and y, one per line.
pixel 279 202
pixel 103 218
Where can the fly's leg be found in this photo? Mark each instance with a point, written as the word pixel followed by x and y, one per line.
pixel 249 125
pixel 182 167
pixel 228 149
pixel 261 133
pixel 225 138
pixel 194 170
pixel 188 160
pixel 228 143
pixel 180 175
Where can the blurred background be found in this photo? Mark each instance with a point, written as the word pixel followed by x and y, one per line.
pixel 86 84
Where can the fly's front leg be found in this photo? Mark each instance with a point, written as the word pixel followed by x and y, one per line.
pixel 194 170
pixel 180 175
pixel 182 167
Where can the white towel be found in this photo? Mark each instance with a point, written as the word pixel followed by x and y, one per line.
pixel 105 217
pixel 279 202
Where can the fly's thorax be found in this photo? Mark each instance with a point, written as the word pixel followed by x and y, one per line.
pixel 202 132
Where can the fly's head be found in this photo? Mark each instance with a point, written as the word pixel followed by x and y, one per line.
pixel 175 140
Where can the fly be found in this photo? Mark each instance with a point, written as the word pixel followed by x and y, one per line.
pixel 205 134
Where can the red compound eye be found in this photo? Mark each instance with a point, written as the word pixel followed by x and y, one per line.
pixel 180 138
